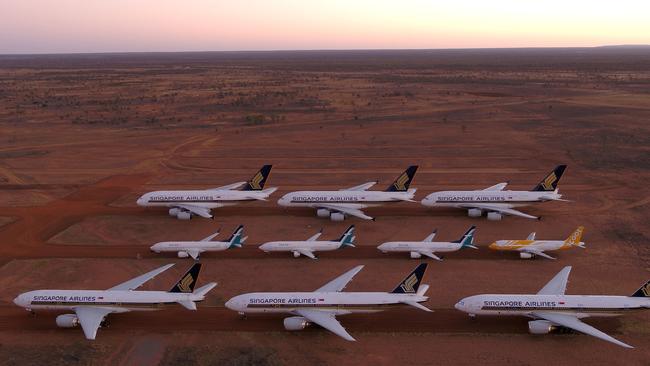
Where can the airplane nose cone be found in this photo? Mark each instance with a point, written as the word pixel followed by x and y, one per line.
pixel 459 306
pixel 282 201
pixel 494 245
pixel 232 304
pixel 19 300
pixel 140 201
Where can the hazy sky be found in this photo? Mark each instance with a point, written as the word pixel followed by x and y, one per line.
pixel 55 26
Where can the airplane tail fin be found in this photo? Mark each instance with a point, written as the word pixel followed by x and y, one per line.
pixel 549 183
pixel 203 290
pixel 347 239
pixel 467 240
pixel 402 183
pixel 236 240
pixel 259 179
pixel 411 283
pixel 187 282
pixel 644 291
pixel 575 237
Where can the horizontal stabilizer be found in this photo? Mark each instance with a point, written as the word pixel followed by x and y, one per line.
pixel 203 290
pixel 417 305
pixel 187 304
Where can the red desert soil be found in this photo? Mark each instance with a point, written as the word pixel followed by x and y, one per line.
pixel 83 136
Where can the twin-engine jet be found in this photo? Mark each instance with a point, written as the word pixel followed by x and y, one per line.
pixel 550 308
pixel 184 204
pixel 350 201
pixel 310 246
pixel 428 247
pixel 323 305
pixel 92 306
pixel 194 249
pixel 497 202
pixel 530 247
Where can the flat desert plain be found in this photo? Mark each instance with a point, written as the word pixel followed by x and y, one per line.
pixel 82 136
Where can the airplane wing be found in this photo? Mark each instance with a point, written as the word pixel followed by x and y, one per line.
pixel 306 253
pixel 360 187
pixel 536 252
pixel 503 210
pixel 430 255
pixel 208 238
pixel 315 236
pixel 497 187
pixel 197 210
pixel 194 253
pixel 431 236
pixel 90 318
pixel 326 320
pixel 571 321
pixel 531 236
pixel 348 210
pixel 339 283
pixel 138 281
pixel 229 187
pixel 557 285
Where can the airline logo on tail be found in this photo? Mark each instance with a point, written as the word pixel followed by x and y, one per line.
pixel 400 183
pixel 575 237
pixel 646 289
pixel 256 180
pixel 548 182
pixel 185 284
pixel 408 285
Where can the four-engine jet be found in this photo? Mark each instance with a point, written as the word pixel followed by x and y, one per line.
pixel 428 247
pixel 311 245
pixel 323 305
pixel 530 247
pixel 184 204
pixel 92 306
pixel 350 201
pixel 497 202
pixel 195 248
pixel 551 308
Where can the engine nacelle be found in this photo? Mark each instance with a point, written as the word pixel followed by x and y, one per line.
pixel 335 216
pixel 474 212
pixel 321 212
pixel 183 255
pixel 296 254
pixel 494 216
pixel 540 327
pixel 184 215
pixel 295 323
pixel 67 321
pixel 524 255
pixel 174 211
pixel 416 255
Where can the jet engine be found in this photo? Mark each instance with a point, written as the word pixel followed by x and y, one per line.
pixel 322 212
pixel 494 216
pixel 183 255
pixel 524 255
pixel 184 215
pixel 416 255
pixel 474 212
pixel 174 211
pixel 67 321
pixel 540 327
pixel 296 254
pixel 295 323
pixel 335 216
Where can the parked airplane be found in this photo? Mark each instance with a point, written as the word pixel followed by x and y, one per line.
pixel 428 247
pixel 497 202
pixel 92 306
pixel 350 201
pixel 551 308
pixel 311 245
pixel 195 248
pixel 323 305
pixel 530 247
pixel 184 204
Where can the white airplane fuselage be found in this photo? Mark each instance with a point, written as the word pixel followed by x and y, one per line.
pixel 343 198
pixel 290 246
pixel 538 245
pixel 114 299
pixel 506 199
pixel 180 246
pixel 336 302
pixel 416 246
pixel 582 305
pixel 201 198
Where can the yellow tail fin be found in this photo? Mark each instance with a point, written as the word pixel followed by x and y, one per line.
pixel 575 237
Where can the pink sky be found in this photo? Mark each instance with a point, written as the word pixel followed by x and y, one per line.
pixel 44 26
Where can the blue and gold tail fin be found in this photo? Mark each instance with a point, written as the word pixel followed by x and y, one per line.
pixel 259 179
pixel 411 283
pixel 549 183
pixel 644 291
pixel 347 239
pixel 402 183
pixel 467 240
pixel 236 240
pixel 188 281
